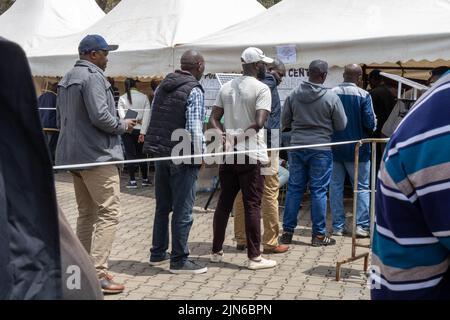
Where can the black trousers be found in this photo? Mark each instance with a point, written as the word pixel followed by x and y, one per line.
pixel 133 151
pixel 248 178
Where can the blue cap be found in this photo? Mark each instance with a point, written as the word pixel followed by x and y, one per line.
pixel 94 42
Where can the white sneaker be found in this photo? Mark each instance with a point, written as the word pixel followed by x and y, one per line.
pixel 216 257
pixel 360 232
pixel 261 263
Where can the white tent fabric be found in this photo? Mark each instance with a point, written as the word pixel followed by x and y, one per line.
pixel 146 32
pixel 28 22
pixel 340 32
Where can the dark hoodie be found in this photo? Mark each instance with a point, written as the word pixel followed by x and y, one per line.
pixel 168 112
pixel 313 113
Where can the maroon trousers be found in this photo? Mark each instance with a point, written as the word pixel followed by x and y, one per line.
pixel 248 178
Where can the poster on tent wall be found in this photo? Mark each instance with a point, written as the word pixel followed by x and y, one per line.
pixel 294 76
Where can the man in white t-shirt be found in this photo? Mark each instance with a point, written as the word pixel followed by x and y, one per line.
pixel 245 104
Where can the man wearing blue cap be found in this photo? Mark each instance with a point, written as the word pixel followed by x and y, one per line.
pixel 90 132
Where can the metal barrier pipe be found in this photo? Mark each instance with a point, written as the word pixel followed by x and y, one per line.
pixel 356 192
pixel 355 197
pixel 373 186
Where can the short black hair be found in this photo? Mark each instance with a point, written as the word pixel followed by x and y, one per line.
pixel 318 67
pixel 375 74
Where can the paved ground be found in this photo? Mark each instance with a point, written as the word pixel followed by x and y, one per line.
pixel 304 272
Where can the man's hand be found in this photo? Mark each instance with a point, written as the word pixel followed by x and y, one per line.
pixel 130 125
pixel 141 138
pixel 229 143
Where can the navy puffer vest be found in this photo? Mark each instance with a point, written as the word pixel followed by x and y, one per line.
pixel 169 112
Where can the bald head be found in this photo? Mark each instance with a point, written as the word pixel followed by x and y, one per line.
pixel 193 62
pixel 352 73
pixel 190 58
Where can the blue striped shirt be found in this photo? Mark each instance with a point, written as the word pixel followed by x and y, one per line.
pixel 411 245
pixel 195 116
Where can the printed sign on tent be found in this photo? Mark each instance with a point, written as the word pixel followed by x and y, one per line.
pixel 287 54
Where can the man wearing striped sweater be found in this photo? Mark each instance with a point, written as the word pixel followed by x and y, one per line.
pixel 411 243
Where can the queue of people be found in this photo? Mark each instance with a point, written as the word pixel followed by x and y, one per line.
pixel 312 114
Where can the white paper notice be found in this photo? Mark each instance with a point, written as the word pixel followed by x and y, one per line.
pixel 287 54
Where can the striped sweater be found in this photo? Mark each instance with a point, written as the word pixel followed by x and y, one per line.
pixel 411 244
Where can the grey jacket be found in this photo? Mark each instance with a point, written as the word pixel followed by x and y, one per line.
pixel 86 115
pixel 313 113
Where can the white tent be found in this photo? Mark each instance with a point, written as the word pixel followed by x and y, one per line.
pixel 146 32
pixel 28 22
pixel 341 32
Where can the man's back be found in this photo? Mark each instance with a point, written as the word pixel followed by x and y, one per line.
pixel 361 121
pixel 87 118
pixel 48 117
pixel 240 99
pixel 383 103
pixel 411 247
pixel 313 113
pixel 169 112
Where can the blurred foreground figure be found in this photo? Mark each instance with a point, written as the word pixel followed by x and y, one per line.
pixel 36 260
pixel 411 242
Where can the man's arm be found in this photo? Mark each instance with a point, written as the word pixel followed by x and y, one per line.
pixel 195 115
pixel 260 120
pixel 214 120
pixel 145 121
pixel 121 109
pixel 270 81
pixel 96 100
pixel 58 115
pixel 286 116
pixel 368 114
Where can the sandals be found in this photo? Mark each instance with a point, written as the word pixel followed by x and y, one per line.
pixel 318 241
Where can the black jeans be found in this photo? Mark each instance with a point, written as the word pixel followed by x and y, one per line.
pixel 248 178
pixel 133 151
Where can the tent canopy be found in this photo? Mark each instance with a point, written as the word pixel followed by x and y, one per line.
pixel 28 22
pixel 146 32
pixel 340 32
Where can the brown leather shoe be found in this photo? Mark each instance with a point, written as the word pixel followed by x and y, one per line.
pixel 109 286
pixel 277 249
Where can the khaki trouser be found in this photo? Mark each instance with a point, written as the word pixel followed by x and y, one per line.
pixel 97 192
pixel 269 208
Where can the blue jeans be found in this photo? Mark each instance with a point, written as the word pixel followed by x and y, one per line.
pixel 313 166
pixel 337 193
pixel 175 192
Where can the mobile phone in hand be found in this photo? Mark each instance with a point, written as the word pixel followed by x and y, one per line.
pixel 131 114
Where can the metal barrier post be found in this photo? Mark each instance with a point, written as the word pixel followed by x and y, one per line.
pixel 355 244
pixel 373 186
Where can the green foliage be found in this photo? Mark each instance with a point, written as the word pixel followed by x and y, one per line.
pixel 268 3
pixel 4 5
pixel 108 5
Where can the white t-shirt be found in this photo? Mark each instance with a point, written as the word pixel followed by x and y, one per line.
pixel 240 99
